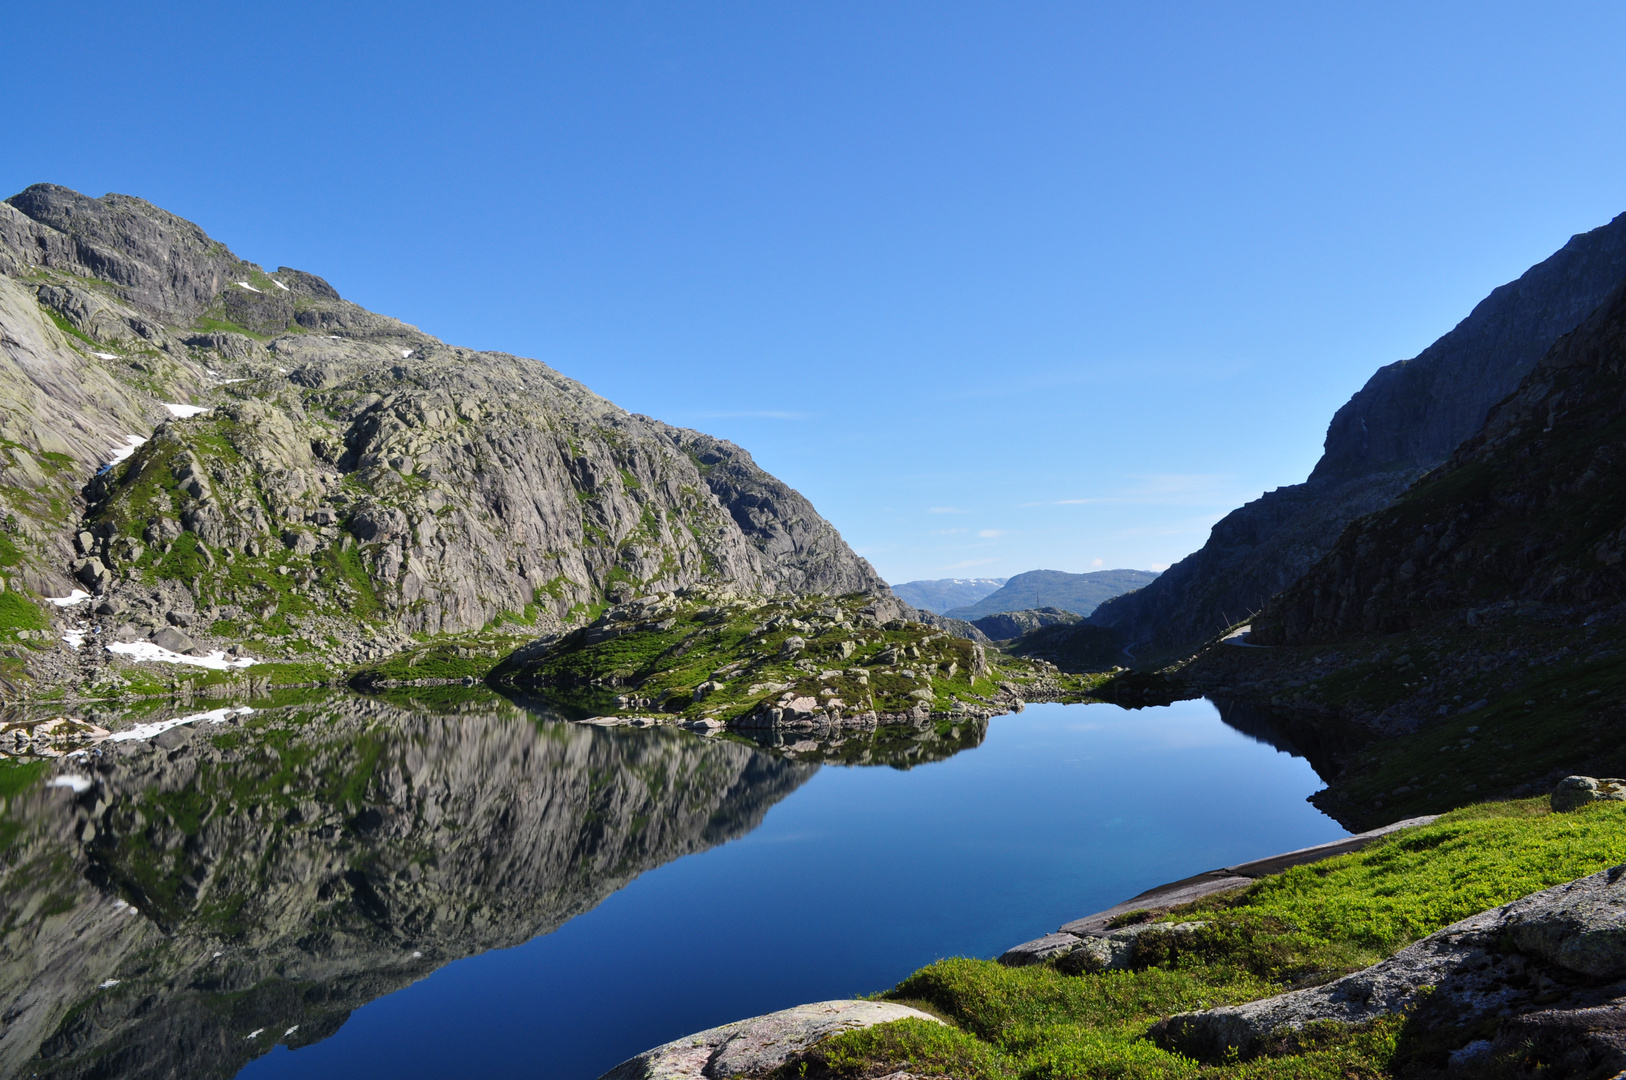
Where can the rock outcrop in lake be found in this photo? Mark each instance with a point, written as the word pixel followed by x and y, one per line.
pixel 1408 418
pixel 177 906
pixel 273 462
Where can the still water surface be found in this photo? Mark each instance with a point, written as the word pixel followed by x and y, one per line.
pixel 423 892
pixel 852 881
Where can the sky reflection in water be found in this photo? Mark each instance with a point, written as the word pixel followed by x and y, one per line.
pixel 855 879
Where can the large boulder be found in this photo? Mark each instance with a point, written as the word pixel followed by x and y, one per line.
pixel 758 1046
pixel 1574 792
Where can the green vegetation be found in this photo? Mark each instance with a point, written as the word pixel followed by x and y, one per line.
pixel 17 612
pixel 722 656
pixel 1302 927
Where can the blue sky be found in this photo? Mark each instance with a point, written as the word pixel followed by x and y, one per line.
pixel 998 286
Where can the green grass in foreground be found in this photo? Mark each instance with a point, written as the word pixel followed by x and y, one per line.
pixel 1302 927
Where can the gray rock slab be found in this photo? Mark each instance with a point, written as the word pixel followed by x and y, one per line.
pixel 1229 878
pixel 755 1047
pixel 1037 951
pixel 1160 899
pixel 1275 864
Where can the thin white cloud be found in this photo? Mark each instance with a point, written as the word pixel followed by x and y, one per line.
pixel 991 534
pixel 946 510
pixel 755 414
pixel 1160 567
pixel 966 565
pixel 948 532
pixel 1165 489
pixel 1098 562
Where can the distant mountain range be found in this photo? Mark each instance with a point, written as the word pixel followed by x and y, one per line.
pixel 944 593
pixel 1078 593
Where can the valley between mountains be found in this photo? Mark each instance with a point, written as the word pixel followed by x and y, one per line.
pixel 328 649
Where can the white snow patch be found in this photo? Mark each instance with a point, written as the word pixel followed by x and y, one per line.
pixel 405 353
pixel 290 1031
pixel 334 337
pixel 246 285
pixel 283 370
pixel 78 596
pixel 218 954
pixel 120 904
pixel 122 452
pixel 280 285
pixel 254 1034
pixel 417 955
pixel 80 784
pixel 105 355
pixel 107 984
pixel 74 638
pixel 146 650
pixel 228 382
pixel 184 411
pixel 158 727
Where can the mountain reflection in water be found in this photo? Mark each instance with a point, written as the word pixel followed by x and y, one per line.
pixel 272 873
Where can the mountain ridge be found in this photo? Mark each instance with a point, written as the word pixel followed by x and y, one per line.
pixel 309 478
pixel 1409 417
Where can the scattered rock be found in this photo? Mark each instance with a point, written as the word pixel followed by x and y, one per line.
pixel 173 640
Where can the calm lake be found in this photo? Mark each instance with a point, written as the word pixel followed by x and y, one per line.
pixel 351 888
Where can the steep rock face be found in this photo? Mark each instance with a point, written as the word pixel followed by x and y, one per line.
pixel 346 466
pixel 1531 508
pixel 277 869
pixel 1408 418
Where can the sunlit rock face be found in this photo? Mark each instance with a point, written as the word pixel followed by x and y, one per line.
pixel 275 871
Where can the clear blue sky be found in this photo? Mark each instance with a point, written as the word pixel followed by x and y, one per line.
pixel 998 286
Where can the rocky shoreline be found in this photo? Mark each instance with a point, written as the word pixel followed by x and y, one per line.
pixel 1542 978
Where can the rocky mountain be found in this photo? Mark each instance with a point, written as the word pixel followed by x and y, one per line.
pixel 1531 509
pixel 1078 593
pixel 1013 624
pixel 178 905
pixel 1056 589
pixel 944 593
pixel 232 456
pixel 1471 631
pixel 1406 420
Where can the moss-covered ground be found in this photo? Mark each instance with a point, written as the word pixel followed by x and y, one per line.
pixel 1302 927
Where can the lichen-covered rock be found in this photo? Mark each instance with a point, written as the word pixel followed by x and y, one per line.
pixel 1574 792
pixel 748 1049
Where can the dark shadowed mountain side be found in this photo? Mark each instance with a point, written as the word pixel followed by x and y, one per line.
pixel 228 887
pixel 1407 419
pixel 1475 627
pixel 1078 593
pixel 1532 509
pixel 276 466
pixel 945 593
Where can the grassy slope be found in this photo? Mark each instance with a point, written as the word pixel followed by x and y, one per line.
pixel 740 643
pixel 1301 927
